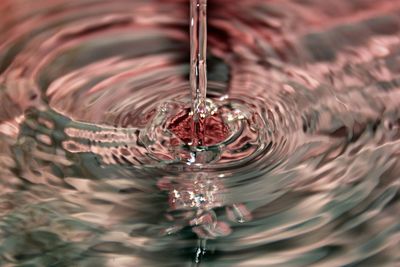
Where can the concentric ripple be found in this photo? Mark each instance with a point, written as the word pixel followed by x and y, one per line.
pixel 94 170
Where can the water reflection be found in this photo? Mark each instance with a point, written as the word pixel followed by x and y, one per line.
pixel 317 185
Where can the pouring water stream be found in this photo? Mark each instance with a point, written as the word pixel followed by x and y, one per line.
pixel 198 66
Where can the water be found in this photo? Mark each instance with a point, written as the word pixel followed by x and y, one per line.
pixel 298 166
pixel 198 66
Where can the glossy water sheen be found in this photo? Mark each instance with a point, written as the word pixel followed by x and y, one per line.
pixel 198 59
pixel 95 173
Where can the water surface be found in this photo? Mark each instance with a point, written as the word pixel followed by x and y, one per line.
pixel 89 176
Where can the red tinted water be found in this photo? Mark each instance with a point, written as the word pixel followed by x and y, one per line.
pixel 208 131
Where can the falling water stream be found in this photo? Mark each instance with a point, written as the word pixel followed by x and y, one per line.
pixel 112 155
pixel 198 68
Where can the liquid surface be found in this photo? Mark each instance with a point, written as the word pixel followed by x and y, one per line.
pixel 303 171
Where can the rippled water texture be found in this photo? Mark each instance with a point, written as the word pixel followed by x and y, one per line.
pixel 308 175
